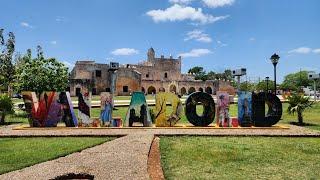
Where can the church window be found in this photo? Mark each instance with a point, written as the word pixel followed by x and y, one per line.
pixel 98 73
pixel 125 89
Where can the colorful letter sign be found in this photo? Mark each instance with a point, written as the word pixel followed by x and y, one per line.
pixel 260 101
pixel 245 108
pixel 69 117
pixel 161 105
pixel 223 117
pixel 208 104
pixel 106 109
pixel 51 108
pixel 84 105
pixel 138 110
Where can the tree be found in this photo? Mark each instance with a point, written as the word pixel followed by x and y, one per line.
pixel 6 107
pixel 297 104
pixel 198 72
pixel 7 69
pixel 41 74
pixel 294 81
pixel 262 86
pixel 247 86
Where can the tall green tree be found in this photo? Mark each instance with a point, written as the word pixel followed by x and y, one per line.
pixel 40 74
pixel 296 80
pixel 262 85
pixel 7 69
pixel 247 86
pixel 198 72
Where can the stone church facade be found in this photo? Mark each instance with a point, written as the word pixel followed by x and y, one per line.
pixel 151 76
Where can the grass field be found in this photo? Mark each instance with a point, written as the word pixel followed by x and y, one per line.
pixel 17 153
pixel 240 158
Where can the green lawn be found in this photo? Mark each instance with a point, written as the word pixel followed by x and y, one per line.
pixel 240 158
pixel 17 153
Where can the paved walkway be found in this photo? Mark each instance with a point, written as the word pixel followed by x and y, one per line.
pixel 125 157
pixel 8 131
pixel 122 158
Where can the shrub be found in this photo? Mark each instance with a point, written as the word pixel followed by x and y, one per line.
pixel 6 107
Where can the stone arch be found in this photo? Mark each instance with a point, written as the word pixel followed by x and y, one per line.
pixel 151 90
pixel 208 90
pixel 162 89
pixel 173 88
pixel 200 89
pixel 191 90
pixel 183 91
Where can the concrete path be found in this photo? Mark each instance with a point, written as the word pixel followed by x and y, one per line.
pixel 122 158
pixel 125 157
pixel 8 131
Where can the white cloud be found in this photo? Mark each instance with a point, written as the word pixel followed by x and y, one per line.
pixel 317 51
pixel 218 3
pixel 25 24
pixel 196 53
pixel 181 13
pixel 124 52
pixel 53 42
pixel 300 50
pixel 207 3
pixel 252 39
pixel 60 19
pixel 221 44
pixel 180 1
pixel 198 35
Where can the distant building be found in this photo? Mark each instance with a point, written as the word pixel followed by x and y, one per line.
pixel 151 76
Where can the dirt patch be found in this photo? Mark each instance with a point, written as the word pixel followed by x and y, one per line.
pixel 154 161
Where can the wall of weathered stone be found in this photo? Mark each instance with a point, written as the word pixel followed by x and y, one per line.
pixel 130 78
pixel 149 76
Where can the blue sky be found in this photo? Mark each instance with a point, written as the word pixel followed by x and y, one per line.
pixel 215 34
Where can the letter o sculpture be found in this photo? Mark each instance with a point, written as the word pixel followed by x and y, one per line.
pixel 274 109
pixel 208 112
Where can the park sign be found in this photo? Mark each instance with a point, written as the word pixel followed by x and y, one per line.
pixel 54 107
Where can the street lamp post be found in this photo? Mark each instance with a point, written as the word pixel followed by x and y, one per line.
pixel 267 79
pixel 275 59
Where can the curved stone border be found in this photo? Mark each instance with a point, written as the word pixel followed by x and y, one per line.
pixel 154 160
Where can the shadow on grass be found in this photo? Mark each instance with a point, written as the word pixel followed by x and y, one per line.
pixel 302 124
pixel 10 123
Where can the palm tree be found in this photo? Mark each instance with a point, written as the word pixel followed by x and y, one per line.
pixel 297 104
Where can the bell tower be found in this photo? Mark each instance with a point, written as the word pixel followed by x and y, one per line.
pixel 151 55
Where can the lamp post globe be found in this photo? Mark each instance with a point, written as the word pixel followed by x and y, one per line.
pixel 274 60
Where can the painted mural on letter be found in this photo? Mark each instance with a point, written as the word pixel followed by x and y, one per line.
pixel 138 111
pixel 106 109
pixel 223 116
pixel 84 105
pixel 245 108
pixel 161 118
